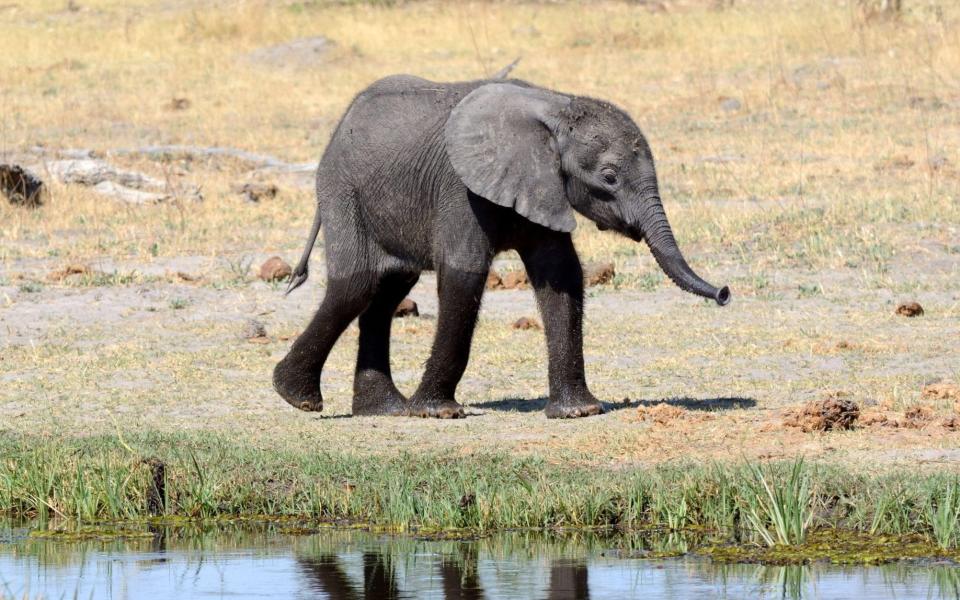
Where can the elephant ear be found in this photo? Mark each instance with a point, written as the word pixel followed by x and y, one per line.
pixel 500 141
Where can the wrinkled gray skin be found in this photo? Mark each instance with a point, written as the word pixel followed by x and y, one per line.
pixel 421 175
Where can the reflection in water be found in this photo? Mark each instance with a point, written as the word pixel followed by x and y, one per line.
pixel 264 562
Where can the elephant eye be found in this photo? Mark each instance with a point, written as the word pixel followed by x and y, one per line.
pixel 609 175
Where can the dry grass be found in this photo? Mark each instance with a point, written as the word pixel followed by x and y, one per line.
pixel 826 193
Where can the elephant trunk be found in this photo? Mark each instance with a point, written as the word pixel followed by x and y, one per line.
pixel 659 237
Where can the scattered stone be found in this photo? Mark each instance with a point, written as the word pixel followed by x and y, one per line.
pixel 255 192
pixel 67 271
pixel 917 417
pixel 516 280
pixel 951 423
pixel 661 413
pixel 178 104
pixel 910 309
pixel 21 187
pixel 599 274
pixel 129 186
pixel 941 391
pixel 730 104
pixel 407 308
pixel 834 413
pixel 494 282
pixel 299 53
pixel 253 329
pixel 525 323
pixel 275 269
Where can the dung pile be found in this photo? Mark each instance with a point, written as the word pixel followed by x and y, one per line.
pixel 833 413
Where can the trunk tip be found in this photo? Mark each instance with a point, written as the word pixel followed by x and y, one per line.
pixel 723 296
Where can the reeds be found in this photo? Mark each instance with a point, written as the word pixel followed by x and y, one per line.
pixel 104 479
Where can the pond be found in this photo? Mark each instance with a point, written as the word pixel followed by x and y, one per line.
pixel 279 561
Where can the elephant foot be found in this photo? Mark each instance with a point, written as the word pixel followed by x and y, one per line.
pixel 448 409
pixel 376 397
pixel 300 390
pixel 587 406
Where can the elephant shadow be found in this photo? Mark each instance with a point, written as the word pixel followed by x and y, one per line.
pixel 525 405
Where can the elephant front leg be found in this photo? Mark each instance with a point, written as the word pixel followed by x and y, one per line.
pixel 557 278
pixel 460 294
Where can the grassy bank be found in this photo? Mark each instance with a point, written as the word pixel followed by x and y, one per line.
pixel 109 479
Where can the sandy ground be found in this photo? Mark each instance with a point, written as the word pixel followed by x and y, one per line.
pixel 168 354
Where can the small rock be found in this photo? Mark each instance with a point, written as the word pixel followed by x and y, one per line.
pixel 516 280
pixel 494 282
pixel 253 329
pixel 178 104
pixel 730 104
pixel 275 269
pixel 951 423
pixel 525 323
pixel 188 277
pixel 832 413
pixel 407 308
pixel 910 309
pixel 75 269
pixel 599 274
pixel 20 186
pixel 937 162
pixel 255 192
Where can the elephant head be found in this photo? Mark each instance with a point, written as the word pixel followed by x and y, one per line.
pixel 546 154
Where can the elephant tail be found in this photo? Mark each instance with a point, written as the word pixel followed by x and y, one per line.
pixel 302 270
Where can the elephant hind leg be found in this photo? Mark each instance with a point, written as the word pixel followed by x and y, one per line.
pixel 374 392
pixel 297 377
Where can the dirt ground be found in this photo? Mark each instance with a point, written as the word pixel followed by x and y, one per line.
pixel 810 163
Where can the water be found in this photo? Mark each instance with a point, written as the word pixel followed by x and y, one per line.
pixel 270 561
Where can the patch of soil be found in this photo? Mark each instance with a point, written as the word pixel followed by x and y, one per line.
pixel 275 269
pixel 910 309
pixel 598 274
pixel 494 281
pixel 525 323
pixel 951 423
pixel 407 308
pixel 300 53
pixel 834 413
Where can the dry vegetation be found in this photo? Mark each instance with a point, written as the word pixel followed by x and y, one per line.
pixel 808 157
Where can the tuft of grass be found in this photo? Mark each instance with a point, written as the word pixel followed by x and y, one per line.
pixel 779 506
pixel 943 512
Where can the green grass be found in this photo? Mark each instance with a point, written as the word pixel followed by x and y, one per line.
pixel 780 506
pixel 89 480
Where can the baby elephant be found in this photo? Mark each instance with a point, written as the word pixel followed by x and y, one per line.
pixel 421 175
